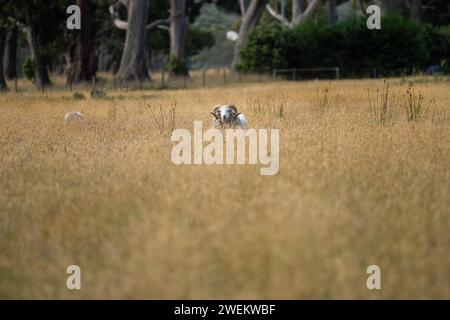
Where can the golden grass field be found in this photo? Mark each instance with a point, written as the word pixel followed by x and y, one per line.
pixel 358 185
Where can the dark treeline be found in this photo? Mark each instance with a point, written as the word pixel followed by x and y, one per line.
pixel 116 36
pixel 401 47
pixel 414 37
pixel 130 37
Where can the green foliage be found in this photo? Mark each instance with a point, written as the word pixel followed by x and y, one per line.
pixel 217 22
pixel 98 94
pixel 199 39
pixel 176 66
pixel 400 46
pixel 269 46
pixel 28 68
pixel 438 44
pixel 78 95
pixel 315 41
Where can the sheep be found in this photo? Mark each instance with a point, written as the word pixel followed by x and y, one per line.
pixel 73 116
pixel 227 116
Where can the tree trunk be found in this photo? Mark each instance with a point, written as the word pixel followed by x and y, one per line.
pixel 308 11
pixel 332 14
pixel 249 21
pixel 133 65
pixel 3 85
pixel 416 10
pixel 82 67
pixel 297 9
pixel 178 37
pixel 40 72
pixel 10 53
pixel 389 6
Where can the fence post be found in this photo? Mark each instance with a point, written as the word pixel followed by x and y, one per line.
pixel 163 80
pixel 224 76
pixel 185 81
pixel 338 75
pixel 295 74
pixel 94 82
pixel 204 77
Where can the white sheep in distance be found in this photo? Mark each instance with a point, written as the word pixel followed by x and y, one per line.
pixel 227 116
pixel 73 116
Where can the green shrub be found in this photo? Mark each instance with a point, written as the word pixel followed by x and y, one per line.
pixel 28 68
pixel 199 39
pixel 78 95
pixel 438 44
pixel 269 46
pixel 176 67
pixel 400 46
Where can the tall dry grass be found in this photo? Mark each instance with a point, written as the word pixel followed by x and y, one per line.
pixel 360 183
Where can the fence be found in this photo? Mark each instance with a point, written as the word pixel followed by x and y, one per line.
pixel 201 78
pixel 306 73
pixel 205 78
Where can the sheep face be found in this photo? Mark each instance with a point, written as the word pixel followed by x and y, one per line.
pixel 225 116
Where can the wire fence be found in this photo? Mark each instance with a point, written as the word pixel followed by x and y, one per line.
pixel 306 73
pixel 201 78
pixel 205 78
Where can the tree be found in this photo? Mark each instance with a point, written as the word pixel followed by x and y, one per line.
pixel 41 76
pixel 133 64
pixel 416 10
pixel 332 14
pixel 300 12
pixel 178 37
pixel 10 52
pixel 83 66
pixel 250 19
pixel 3 85
pixel 43 27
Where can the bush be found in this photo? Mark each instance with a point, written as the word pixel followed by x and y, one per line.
pixel 438 44
pixel 176 66
pixel 400 46
pixel 28 68
pixel 269 46
pixel 317 45
pixel 199 39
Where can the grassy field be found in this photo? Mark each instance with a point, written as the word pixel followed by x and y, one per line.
pixel 364 179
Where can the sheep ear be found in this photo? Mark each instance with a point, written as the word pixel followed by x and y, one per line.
pixel 233 107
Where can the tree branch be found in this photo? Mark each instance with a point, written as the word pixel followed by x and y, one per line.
pixel 119 23
pixel 277 16
pixel 242 5
pixel 309 11
pixel 123 25
pixel 297 19
pixel 158 23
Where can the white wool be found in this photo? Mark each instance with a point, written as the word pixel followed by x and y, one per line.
pixel 73 116
pixel 242 121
